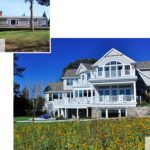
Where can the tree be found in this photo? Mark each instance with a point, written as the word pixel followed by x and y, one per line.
pixel 44 15
pixel 75 64
pixel 18 70
pixel 31 14
pixel 44 2
pixel 25 93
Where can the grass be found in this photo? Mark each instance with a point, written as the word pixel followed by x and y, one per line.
pixel 21 118
pixel 91 135
pixel 26 41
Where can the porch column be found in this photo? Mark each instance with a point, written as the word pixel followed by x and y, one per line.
pixel 87 112
pixel 134 88
pixel 119 113
pixel 126 112
pixel 106 111
pixel 77 113
pixel 91 93
pixel 58 112
pixel 66 113
pixel 62 112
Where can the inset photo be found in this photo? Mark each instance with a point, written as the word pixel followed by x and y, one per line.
pixel 25 25
pixel 97 88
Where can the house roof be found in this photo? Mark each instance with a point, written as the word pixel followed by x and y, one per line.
pixel 88 66
pixel 143 65
pixel 21 17
pixel 54 86
pixel 70 73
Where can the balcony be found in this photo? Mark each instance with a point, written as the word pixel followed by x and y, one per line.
pixel 101 100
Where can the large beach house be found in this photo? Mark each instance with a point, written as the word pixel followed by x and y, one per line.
pixel 107 88
pixel 21 21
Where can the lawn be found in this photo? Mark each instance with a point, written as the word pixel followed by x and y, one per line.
pixel 21 118
pixel 104 134
pixel 26 41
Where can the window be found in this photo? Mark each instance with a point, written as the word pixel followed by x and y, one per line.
pixel 85 93
pixel 127 70
pixel 76 93
pixel 88 76
pixel 82 77
pixel 69 81
pixel 113 71
pixel 93 92
pixel 107 71
pixel 60 95
pixel 80 93
pixel 50 97
pixel 55 96
pixel 68 94
pixel 100 69
pixel 89 93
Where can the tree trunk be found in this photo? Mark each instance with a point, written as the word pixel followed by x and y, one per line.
pixel 32 21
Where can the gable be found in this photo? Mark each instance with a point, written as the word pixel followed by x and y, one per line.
pixel 113 55
pixel 81 69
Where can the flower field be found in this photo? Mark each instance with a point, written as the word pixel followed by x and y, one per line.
pixel 113 134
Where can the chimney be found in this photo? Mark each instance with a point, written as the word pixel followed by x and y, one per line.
pixel 1 13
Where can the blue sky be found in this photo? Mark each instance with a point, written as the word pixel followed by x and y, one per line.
pixel 45 68
pixel 19 7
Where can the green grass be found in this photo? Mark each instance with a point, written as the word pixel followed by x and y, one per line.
pixel 113 134
pixel 26 41
pixel 21 118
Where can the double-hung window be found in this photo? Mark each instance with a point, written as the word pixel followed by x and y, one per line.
pixel 100 71
pixel 127 70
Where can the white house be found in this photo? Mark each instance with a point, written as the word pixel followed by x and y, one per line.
pixel 104 89
pixel 21 21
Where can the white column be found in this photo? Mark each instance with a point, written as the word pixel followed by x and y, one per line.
pixel 77 113
pixel 62 112
pixel 87 112
pixel 134 88
pixel 91 93
pixel 66 113
pixel 126 112
pixel 106 111
pixel 119 112
pixel 58 112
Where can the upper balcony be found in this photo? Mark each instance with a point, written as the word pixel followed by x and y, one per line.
pixel 113 71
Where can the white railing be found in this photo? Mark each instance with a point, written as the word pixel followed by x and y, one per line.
pixel 110 74
pixel 118 98
pixel 95 100
pixel 80 83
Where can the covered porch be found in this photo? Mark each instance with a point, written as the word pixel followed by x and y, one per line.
pixel 81 112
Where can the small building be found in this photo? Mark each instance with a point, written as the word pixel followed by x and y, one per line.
pixel 104 89
pixel 21 21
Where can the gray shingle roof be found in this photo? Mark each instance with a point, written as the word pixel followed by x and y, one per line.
pixel 88 66
pixel 143 65
pixel 54 86
pixel 70 73
pixel 21 17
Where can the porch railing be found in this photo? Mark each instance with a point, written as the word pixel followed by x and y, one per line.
pixel 95 100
